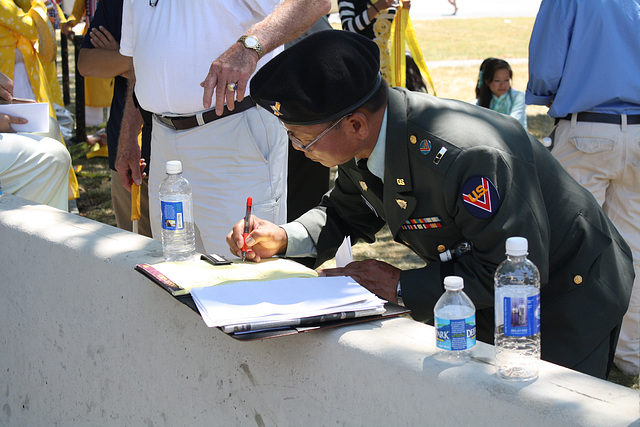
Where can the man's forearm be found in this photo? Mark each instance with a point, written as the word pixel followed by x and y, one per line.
pixel 102 63
pixel 128 158
pixel 288 21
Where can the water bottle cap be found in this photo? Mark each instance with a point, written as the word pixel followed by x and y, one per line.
pixel 453 283
pixel 517 246
pixel 174 167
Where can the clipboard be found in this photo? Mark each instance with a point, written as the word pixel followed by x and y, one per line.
pixel 391 310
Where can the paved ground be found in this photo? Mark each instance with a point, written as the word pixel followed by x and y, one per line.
pixel 437 9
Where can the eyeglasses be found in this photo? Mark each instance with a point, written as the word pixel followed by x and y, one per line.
pixel 301 145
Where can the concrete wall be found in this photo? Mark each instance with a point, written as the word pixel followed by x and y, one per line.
pixel 87 340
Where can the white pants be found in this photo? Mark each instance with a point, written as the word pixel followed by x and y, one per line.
pixel 226 161
pixel 35 168
pixel 605 159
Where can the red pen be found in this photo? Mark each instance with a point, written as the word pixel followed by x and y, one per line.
pixel 247 220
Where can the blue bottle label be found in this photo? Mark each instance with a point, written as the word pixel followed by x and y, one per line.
pixel 521 316
pixel 456 334
pixel 172 214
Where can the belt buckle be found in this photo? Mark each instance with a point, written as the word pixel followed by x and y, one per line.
pixel 167 121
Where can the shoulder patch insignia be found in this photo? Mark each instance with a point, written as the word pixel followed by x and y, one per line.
pixel 480 197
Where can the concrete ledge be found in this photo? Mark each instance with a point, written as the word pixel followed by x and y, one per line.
pixel 87 340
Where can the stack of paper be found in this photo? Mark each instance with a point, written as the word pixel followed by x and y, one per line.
pixel 250 305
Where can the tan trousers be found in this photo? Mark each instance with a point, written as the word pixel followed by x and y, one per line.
pixel 605 159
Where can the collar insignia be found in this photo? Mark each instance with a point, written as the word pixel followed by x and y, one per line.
pixel 364 186
pixel 401 203
pixel 276 109
pixel 425 147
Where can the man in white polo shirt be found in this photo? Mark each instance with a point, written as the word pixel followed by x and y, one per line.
pixel 229 148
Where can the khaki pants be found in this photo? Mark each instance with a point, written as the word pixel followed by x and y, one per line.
pixel 605 159
pixel 121 200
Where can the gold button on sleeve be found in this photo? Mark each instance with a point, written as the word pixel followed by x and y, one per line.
pixel 577 279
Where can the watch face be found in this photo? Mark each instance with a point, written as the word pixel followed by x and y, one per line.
pixel 251 42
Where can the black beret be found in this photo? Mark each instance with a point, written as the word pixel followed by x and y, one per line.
pixel 319 79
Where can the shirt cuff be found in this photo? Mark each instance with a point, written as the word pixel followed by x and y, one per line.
pixel 531 99
pixel 299 242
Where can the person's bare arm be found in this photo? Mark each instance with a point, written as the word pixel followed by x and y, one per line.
pixel 6 88
pixel 104 60
pixel 237 64
pixel 128 158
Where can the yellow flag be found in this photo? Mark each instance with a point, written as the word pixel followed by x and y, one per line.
pixel 402 33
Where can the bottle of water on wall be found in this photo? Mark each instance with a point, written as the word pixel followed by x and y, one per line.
pixel 517 314
pixel 178 233
pixel 455 322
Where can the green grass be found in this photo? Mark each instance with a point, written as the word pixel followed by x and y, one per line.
pixel 457 39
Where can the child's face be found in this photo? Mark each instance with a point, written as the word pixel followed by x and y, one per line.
pixel 501 82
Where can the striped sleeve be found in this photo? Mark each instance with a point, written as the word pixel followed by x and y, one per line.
pixel 351 21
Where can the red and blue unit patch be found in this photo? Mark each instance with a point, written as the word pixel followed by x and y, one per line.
pixel 480 197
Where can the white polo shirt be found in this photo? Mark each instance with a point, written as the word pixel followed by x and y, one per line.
pixel 174 43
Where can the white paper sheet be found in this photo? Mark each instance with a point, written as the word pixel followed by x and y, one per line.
pixel 245 302
pixel 344 255
pixel 37 114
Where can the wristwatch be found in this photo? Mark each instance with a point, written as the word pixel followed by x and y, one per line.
pixel 251 42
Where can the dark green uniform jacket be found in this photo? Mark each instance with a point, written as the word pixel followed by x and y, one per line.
pixel 460 173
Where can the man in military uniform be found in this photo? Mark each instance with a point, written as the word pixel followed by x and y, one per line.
pixel 440 173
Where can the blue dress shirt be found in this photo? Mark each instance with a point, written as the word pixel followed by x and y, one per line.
pixel 584 55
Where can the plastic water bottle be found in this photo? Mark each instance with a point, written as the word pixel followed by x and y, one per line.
pixel 178 233
pixel 455 322
pixel 517 314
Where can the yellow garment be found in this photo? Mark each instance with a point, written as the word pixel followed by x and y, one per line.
pixel 402 31
pixel 97 92
pixel 382 32
pixel 78 12
pixel 18 30
pixel 98 151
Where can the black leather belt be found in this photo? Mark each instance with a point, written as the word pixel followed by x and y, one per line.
pixel 614 119
pixel 188 122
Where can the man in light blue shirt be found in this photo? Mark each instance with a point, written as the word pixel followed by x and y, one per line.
pixel 584 63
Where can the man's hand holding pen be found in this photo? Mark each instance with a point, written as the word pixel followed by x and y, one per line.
pixel 264 240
